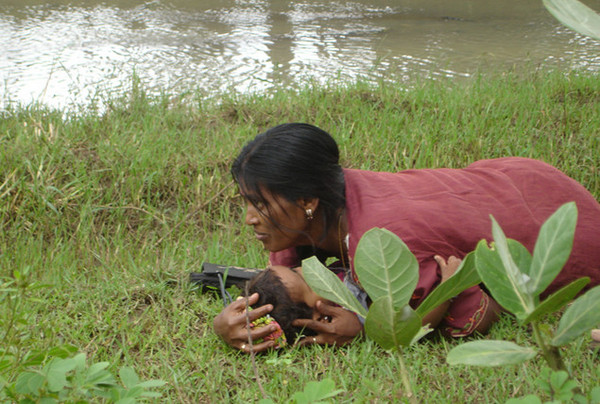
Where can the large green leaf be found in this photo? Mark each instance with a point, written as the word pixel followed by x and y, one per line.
pixel 489 353
pixel 520 255
pixel 391 327
pixel 465 276
pixel 518 279
pixel 327 285
pixel 576 16
pixel 494 275
pixel 580 317
pixel 557 299
pixel 553 247
pixel 386 267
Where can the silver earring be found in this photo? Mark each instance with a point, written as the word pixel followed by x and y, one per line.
pixel 309 215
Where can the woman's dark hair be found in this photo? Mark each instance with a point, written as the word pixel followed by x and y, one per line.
pixel 294 161
pixel 271 290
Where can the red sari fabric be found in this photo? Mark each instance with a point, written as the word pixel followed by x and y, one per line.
pixel 447 212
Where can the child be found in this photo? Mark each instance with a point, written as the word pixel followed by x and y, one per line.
pixel 272 290
pixel 292 298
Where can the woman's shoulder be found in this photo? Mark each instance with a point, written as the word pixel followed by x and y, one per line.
pixel 508 163
pixel 494 163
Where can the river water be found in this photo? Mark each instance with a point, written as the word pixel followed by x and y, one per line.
pixel 68 54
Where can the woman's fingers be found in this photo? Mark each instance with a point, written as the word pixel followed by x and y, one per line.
pixel 260 347
pixel 324 309
pixel 318 326
pixel 312 340
pixel 240 302
pixel 241 334
pixel 447 269
pixel 440 261
pixel 231 323
pixel 261 332
pixel 240 305
pixel 342 329
pixel 328 309
pixel 451 268
pixel 259 312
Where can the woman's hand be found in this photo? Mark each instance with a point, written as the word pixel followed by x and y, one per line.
pixel 447 268
pixel 230 325
pixel 341 330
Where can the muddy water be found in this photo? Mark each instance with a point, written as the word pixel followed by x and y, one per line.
pixel 71 53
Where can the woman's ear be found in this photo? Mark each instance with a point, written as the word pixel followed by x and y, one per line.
pixel 309 203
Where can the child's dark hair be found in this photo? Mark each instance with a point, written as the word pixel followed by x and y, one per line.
pixel 271 290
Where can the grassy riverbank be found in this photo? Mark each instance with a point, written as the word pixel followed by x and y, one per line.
pixel 108 215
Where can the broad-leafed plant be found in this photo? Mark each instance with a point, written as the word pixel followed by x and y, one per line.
pixel 388 272
pixel 516 279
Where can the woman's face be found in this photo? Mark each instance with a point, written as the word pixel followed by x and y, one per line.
pixel 278 223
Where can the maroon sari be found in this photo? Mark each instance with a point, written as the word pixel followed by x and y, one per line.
pixel 447 212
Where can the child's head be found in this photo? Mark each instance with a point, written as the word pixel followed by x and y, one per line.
pixel 285 289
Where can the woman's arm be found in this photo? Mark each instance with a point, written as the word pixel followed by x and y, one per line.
pixel 341 330
pixel 490 315
pixel 435 316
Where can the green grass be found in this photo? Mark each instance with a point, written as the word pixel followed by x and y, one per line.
pixel 112 211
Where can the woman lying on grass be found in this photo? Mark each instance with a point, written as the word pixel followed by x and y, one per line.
pixel 301 203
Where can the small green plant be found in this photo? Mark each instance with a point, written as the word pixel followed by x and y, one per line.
pixel 388 272
pixel 73 380
pixel 313 393
pixel 57 374
pixel 557 385
pixel 516 279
